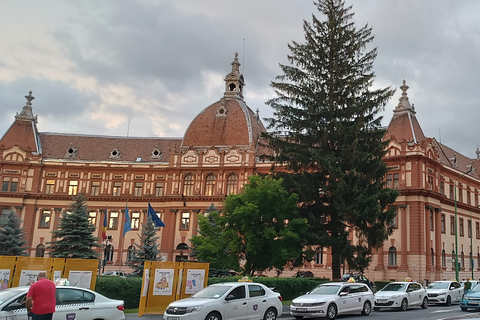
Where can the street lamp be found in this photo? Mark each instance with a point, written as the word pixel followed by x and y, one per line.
pixel 456 230
pixel 471 242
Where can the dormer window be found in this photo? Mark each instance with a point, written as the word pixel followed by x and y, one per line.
pixel 232 87
pixel 71 152
pixel 156 154
pixel 221 112
pixel 115 154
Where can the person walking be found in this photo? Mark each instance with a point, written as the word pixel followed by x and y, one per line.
pixel 40 300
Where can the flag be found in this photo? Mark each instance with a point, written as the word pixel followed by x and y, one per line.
pixel 127 225
pixel 104 230
pixel 155 218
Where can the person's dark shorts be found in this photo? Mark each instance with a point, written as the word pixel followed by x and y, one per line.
pixel 33 316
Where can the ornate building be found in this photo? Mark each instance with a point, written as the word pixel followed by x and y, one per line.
pixel 180 177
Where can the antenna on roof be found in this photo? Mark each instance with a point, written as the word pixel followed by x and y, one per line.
pixel 128 126
pixel 243 58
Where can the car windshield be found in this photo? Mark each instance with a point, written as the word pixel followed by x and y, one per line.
pixel 108 273
pixel 395 287
pixel 212 292
pixel 324 289
pixel 347 276
pixel 438 285
pixel 9 293
pixel 476 288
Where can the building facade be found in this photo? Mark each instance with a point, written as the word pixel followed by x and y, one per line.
pixel 40 172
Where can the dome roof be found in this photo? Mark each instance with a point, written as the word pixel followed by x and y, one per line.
pixel 227 122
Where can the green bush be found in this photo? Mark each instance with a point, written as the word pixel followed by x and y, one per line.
pixel 126 289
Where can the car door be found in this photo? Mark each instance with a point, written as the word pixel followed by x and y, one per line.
pixel 346 300
pixel 19 312
pixel 257 301
pixel 456 290
pixel 236 304
pixel 73 303
pixel 357 296
pixel 415 294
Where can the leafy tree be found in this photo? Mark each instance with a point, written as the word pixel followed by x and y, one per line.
pixel 259 228
pixel 147 250
pixel 75 233
pixel 11 235
pixel 326 132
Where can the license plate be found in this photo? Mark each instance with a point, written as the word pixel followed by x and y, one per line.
pixel 382 300
pixel 302 309
pixel 173 318
pixel 473 303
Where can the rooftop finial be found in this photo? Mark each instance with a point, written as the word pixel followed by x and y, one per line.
pixel 404 104
pixel 234 81
pixel 27 113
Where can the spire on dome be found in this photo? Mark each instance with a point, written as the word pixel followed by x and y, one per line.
pixel 234 82
pixel 27 113
pixel 404 104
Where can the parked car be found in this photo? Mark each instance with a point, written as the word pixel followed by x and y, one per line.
pixel 333 298
pixel 358 277
pixel 304 274
pixel 82 304
pixel 471 299
pixel 445 292
pixel 114 273
pixel 228 300
pixel 401 295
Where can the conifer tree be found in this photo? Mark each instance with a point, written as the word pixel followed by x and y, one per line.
pixel 326 131
pixel 147 250
pixel 11 235
pixel 74 237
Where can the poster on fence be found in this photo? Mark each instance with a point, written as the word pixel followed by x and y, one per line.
pixel 4 278
pixel 195 280
pixel 28 277
pixel 80 279
pixel 163 284
pixel 146 279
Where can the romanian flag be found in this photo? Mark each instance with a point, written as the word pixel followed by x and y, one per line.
pixel 127 225
pixel 104 230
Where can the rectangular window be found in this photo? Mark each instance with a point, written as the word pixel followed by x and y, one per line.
pixel 159 189
pixel 476 198
pixel 396 181
pixel 430 182
pixel 477 229
pixel 460 226
pixel 72 188
pixel 14 184
pixel 394 222
pixel 185 224
pixel 10 184
pixel 113 221
pixel 50 187
pixel 45 219
pixel 92 217
pixel 135 220
pixel 469 200
pixel 452 225
pixel 451 192
pixel 95 188
pixel 469 228
pixel 442 187
pixel 5 183
pixel 460 195
pixel 138 189
pixel 117 189
pixel 431 220
pixel 442 223
pixel 389 181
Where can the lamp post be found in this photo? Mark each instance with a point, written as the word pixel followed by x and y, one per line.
pixel 471 242
pixel 456 214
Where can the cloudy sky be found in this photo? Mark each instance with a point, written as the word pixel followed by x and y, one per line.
pixel 147 67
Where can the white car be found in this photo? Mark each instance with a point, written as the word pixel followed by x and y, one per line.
pixel 445 292
pixel 333 298
pixel 401 295
pixel 228 301
pixel 72 303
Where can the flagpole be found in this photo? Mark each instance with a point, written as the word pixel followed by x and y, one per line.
pixel 123 238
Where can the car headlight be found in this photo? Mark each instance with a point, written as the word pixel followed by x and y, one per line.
pixel 317 304
pixel 442 293
pixel 194 309
pixel 395 297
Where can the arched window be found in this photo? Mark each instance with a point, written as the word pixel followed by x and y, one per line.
pixel 40 251
pixel 130 253
pixel 462 263
pixel 392 256
pixel 231 184
pixel 453 259
pixel 478 259
pixel 444 259
pixel 432 257
pixel 319 255
pixel 210 185
pixel 188 185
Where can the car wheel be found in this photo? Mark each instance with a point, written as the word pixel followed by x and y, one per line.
pixel 404 305
pixel 425 303
pixel 332 311
pixel 464 308
pixel 367 308
pixel 449 301
pixel 270 314
pixel 376 309
pixel 214 315
pixel 298 317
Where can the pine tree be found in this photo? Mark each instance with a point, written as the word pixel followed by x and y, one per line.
pixel 11 235
pixel 326 131
pixel 147 250
pixel 75 233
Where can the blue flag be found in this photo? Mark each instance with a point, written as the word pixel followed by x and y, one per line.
pixel 127 225
pixel 155 218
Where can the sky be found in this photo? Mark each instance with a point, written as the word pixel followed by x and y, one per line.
pixel 146 68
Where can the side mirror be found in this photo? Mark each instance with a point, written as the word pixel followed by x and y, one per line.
pixel 13 306
pixel 230 297
pixel 343 294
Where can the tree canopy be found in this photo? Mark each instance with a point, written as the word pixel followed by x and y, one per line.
pixel 11 235
pixel 147 250
pixel 326 132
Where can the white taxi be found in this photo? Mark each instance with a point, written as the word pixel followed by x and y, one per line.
pixel 333 298
pixel 445 292
pixel 401 295
pixel 228 300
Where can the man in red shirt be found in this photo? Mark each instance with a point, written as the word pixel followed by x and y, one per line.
pixel 41 298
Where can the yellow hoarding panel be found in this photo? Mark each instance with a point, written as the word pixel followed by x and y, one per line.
pixel 27 269
pixel 81 272
pixel 163 286
pixel 58 267
pixel 7 265
pixel 145 286
pixel 194 279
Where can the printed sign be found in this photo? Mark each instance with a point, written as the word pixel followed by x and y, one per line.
pixel 4 278
pixel 195 280
pixel 163 284
pixel 29 277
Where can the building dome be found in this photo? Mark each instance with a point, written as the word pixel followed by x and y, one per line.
pixel 227 122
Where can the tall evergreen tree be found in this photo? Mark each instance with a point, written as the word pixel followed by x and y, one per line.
pixel 11 235
pixel 74 237
pixel 147 250
pixel 326 131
